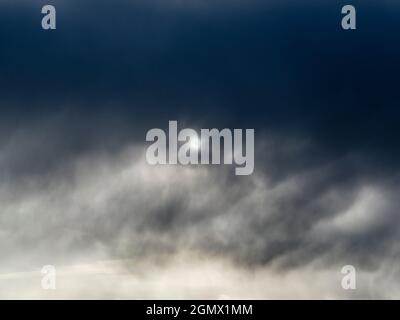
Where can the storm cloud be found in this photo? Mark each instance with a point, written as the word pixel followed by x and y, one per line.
pixel 77 193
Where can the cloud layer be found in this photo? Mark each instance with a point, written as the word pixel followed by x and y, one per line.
pixel 113 206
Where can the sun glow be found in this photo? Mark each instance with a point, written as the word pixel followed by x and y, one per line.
pixel 195 143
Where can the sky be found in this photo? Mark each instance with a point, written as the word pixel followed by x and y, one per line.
pixel 77 193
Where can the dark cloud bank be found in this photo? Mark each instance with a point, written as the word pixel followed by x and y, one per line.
pixel 76 104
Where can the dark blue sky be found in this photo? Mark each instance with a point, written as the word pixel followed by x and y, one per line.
pixel 281 66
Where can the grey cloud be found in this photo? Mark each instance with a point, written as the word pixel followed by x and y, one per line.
pixel 109 204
